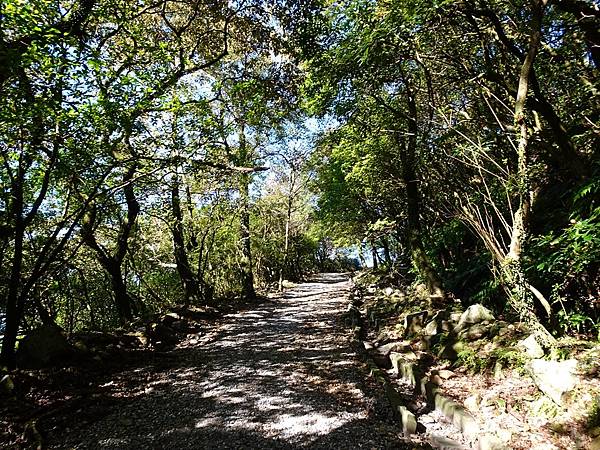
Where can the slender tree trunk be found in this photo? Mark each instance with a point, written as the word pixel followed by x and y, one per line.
pixel 111 262
pixel 189 283
pixel 248 292
pixel 408 148
pixel 246 269
pixel 418 254
pixel 123 301
pixel 288 220
pixel 13 302
pixel 512 270
pixel 14 299
pixel 286 246
pixel 374 256
pixel 361 256
pixel 386 252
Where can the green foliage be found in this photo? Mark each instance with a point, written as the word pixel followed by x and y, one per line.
pixel 567 259
pixel 593 415
pixel 510 357
pixel 415 157
pixel 469 359
pixel 577 323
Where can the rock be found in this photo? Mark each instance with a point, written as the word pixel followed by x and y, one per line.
pixel 556 379
pixel 455 317
pixel 472 402
pixel 409 421
pixel 81 347
pixel 474 314
pixel 421 292
pixel 436 379
pixel 431 329
pixel 531 346
pixel 490 442
pixel 398 346
pixel 451 351
pixel 474 332
pixel 32 436
pixel 406 355
pixel 382 361
pixel 498 371
pixel 445 374
pixel 138 339
pixel 161 335
pixel 43 347
pixel 6 386
pixel 413 323
pixel 180 326
pixel 558 427
pixel 170 318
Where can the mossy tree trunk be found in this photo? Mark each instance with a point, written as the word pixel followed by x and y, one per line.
pixel 511 268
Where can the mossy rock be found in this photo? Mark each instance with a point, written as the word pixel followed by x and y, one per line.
pixel 43 347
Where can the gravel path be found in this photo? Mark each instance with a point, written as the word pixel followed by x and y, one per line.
pixel 280 375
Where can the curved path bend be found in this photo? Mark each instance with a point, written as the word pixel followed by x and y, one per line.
pixel 279 375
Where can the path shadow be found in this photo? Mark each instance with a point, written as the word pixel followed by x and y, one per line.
pixel 279 375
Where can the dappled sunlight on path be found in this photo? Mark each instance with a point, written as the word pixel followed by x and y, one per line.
pixel 280 375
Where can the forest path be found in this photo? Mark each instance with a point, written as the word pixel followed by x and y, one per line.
pixel 281 374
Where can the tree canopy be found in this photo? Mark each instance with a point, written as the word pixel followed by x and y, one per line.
pixel 165 152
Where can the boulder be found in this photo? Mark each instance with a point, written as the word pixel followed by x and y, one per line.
pixel 398 346
pixel 161 336
pixel 6 386
pixel 169 319
pixel 413 323
pixel 445 374
pixel 451 351
pixel 531 346
pixel 455 317
pixel 474 332
pixel 474 314
pixel 421 292
pixel 181 326
pixel 382 361
pixel 43 347
pixel 556 379
pixel 472 402
pixel 431 329
pixel 440 322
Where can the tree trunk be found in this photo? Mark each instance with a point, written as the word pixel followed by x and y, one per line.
pixel 248 292
pixel 374 256
pixel 123 301
pixel 111 262
pixel 286 246
pixel 512 270
pixel 189 283
pixel 14 299
pixel 407 147
pixel 386 252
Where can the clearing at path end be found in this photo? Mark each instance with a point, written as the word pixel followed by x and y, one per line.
pixel 280 375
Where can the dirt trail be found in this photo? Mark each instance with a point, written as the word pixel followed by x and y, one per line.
pixel 280 375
